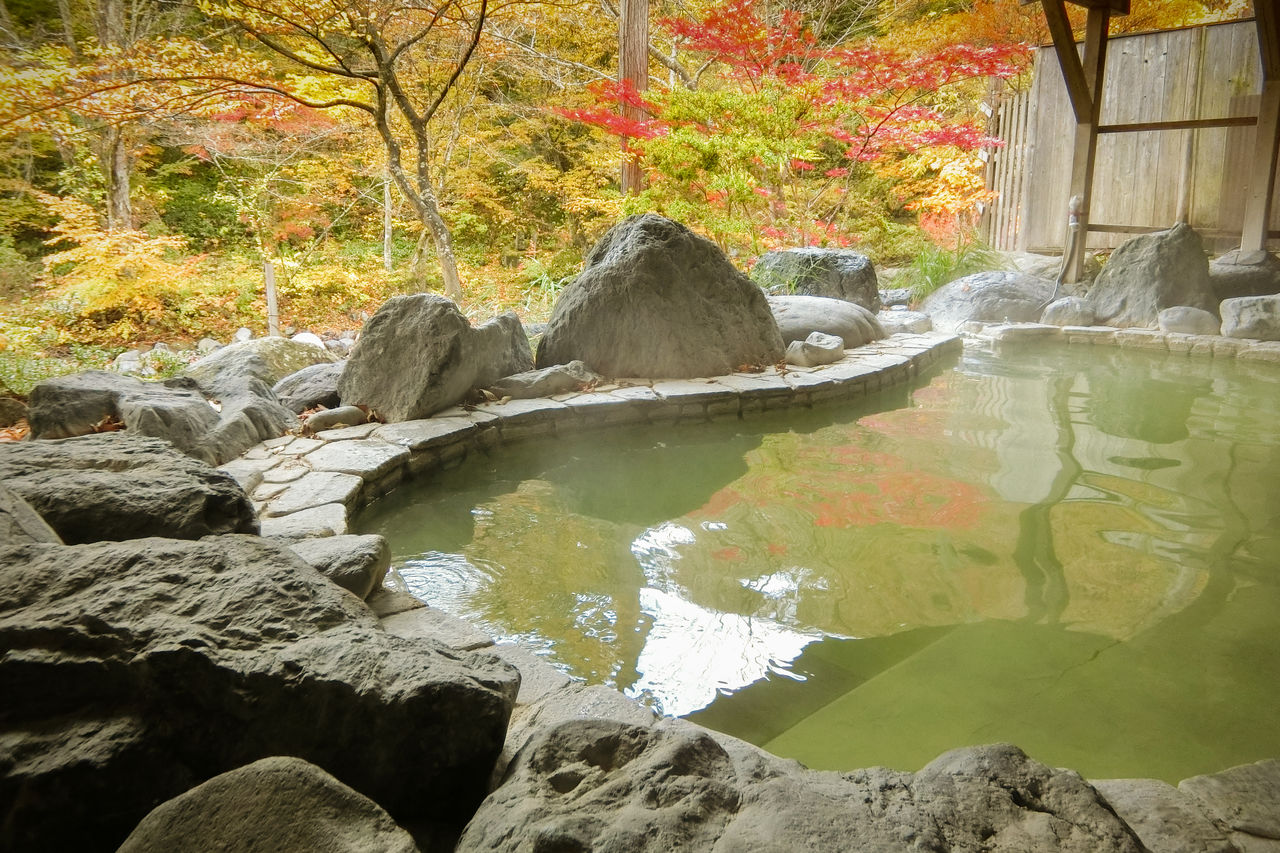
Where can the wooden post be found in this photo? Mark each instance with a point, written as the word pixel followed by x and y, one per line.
pixel 1084 87
pixel 273 311
pixel 1257 208
pixel 633 68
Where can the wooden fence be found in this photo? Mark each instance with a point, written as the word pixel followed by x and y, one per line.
pixel 1144 180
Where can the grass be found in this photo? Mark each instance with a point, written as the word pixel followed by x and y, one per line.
pixel 935 266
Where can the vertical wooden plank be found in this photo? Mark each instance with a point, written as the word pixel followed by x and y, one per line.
pixel 1262 183
pixel 633 68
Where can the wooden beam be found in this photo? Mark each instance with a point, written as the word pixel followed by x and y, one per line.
pixel 1262 183
pixel 1118 7
pixel 1064 45
pixel 1181 124
pixel 1085 152
pixel 1267 19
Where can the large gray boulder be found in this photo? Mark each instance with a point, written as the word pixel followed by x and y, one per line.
pixel 1249 274
pixel 1068 311
pixel 656 300
pixel 608 786
pixel 314 385
pixel 357 563
pixel 179 410
pixel 1149 273
pixel 279 804
pixel 1186 320
pixel 268 359
pixel 813 271
pixel 418 354
pixel 135 670
pixel 1256 317
pixel 989 297
pixel 118 486
pixel 800 316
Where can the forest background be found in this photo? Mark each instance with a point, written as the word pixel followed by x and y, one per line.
pixel 157 153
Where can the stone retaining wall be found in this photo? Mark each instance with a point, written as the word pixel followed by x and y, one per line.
pixel 309 486
pixel 1152 340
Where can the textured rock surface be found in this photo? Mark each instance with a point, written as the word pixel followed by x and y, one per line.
pixel 557 379
pixel 268 359
pixel 1068 311
pixel 816 349
pixel 334 418
pixel 834 273
pixel 20 524
pixel 656 300
pixel 1188 321
pixel 1254 274
pixel 894 322
pixel 988 297
pixel 419 355
pixel 355 563
pixel 800 316
pixel 177 410
pixel 1256 317
pixel 118 486
pixel 1149 273
pixel 1165 819
pixel 279 804
pixel 315 385
pixel 1245 799
pixel 11 411
pixel 134 670
pixel 607 786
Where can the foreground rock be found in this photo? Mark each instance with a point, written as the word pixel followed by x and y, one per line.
pixel 358 564
pixel 1256 317
pixel 800 316
pixel 834 273
pixel 118 486
pixel 135 670
pixel 418 354
pixel 20 524
pixel 269 359
pixel 1188 321
pixel 989 297
pixel 1149 273
pixel 656 300
pixel 604 785
pixel 179 410
pixel 1068 311
pixel 284 805
pixel 557 379
pixel 815 350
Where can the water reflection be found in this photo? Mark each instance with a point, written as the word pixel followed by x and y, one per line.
pixel 1017 540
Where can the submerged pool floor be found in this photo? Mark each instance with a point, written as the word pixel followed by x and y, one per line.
pixel 1073 549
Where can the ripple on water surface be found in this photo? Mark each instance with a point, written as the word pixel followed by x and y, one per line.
pixel 1074 550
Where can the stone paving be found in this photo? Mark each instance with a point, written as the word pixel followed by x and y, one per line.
pixel 309 487
pixel 1153 340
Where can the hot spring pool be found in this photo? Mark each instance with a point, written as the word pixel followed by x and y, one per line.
pixel 1073 549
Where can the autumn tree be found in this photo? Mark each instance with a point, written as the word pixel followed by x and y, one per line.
pixel 776 145
pixel 394 63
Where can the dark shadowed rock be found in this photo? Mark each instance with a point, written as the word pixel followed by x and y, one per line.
pixel 1188 321
pixel 316 385
pixel 1068 311
pixel 268 359
pixel 118 486
pixel 1256 317
pixel 988 297
pixel 355 563
pixel 656 300
pixel 1251 274
pixel 135 670
pixel 177 410
pixel 834 273
pixel 418 354
pixel 607 786
pixel 12 410
pixel 1149 273
pixel 280 804
pixel 800 316
pixel 557 379
pixel 20 524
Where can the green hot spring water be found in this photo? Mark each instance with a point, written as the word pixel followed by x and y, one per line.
pixel 1074 550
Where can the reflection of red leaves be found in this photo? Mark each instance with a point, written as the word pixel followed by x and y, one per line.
pixel 731 553
pixel 777 550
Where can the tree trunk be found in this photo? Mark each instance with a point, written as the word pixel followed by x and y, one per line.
pixel 386 223
pixel 115 167
pixel 633 68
